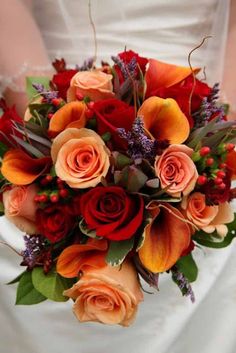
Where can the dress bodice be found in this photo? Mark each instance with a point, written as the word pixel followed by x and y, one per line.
pixel 163 29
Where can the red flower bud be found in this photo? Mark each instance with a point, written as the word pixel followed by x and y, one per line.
pixel 221 174
pixel 89 113
pixel 79 96
pixel 229 147
pixel 209 162
pixel 63 193
pixel 43 198
pixel 222 186
pixel 218 181
pixel 49 178
pixel 222 165
pixel 50 115
pixel 54 198
pixel 201 180
pixel 56 101
pixel 204 151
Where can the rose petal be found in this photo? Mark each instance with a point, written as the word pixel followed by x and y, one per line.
pixel 166 237
pixel 21 169
pixel 164 120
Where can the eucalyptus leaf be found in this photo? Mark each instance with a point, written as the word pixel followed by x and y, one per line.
pixel 118 250
pixel 85 230
pixel 131 178
pixel 51 285
pixel 33 150
pixel 27 294
pixel 30 80
pixel 188 267
pixel 213 240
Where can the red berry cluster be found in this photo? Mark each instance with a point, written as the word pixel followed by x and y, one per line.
pixel 55 189
pixel 211 165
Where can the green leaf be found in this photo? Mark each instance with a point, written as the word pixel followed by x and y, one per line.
pixel 188 267
pixel 30 90
pixel 121 160
pixel 51 285
pixel 106 136
pixel 132 178
pixel 85 230
pixel 1 209
pixel 53 171
pixel 26 293
pixel 118 250
pixel 17 279
pixel 3 149
pixel 213 240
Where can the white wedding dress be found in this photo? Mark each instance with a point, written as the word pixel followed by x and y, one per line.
pixel 166 322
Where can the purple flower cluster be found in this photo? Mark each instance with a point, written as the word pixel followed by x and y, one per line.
pixel 126 69
pixel 183 283
pixel 87 65
pixel 46 94
pixel 139 145
pixel 34 246
pixel 209 108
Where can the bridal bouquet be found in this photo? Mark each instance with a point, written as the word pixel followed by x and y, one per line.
pixel 115 174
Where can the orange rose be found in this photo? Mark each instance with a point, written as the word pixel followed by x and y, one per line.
pixel 197 211
pixel 81 157
pixel 224 215
pixel 109 295
pixel 20 207
pixel 95 84
pixel 176 170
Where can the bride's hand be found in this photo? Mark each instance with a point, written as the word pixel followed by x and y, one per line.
pixel 22 51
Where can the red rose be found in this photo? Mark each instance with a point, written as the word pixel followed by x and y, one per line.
pixel 112 114
pixel 6 123
pixel 54 222
pixel 127 57
pixel 181 93
pixel 62 81
pixel 113 213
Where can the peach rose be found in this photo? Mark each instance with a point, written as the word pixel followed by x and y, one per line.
pixel 81 157
pixel 109 295
pixel 20 207
pixel 95 84
pixel 224 215
pixel 197 211
pixel 176 170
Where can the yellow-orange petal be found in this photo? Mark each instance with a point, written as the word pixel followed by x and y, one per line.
pixel 74 257
pixel 166 237
pixel 70 115
pixel 161 74
pixel 21 169
pixel 163 119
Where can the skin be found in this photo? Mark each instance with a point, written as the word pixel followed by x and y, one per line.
pixel 13 53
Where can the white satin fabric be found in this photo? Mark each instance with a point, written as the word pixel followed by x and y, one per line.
pixel 166 322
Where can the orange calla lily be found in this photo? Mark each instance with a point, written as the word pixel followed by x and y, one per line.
pixel 161 74
pixel 70 115
pixel 163 119
pixel 21 169
pixel 231 163
pixel 74 258
pixel 166 237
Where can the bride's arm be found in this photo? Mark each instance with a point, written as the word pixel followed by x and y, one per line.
pixel 229 81
pixel 21 46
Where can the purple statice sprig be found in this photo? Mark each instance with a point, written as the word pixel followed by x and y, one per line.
pixel 127 70
pixel 46 94
pixel 35 246
pixel 209 108
pixel 183 283
pixel 87 65
pixel 140 146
